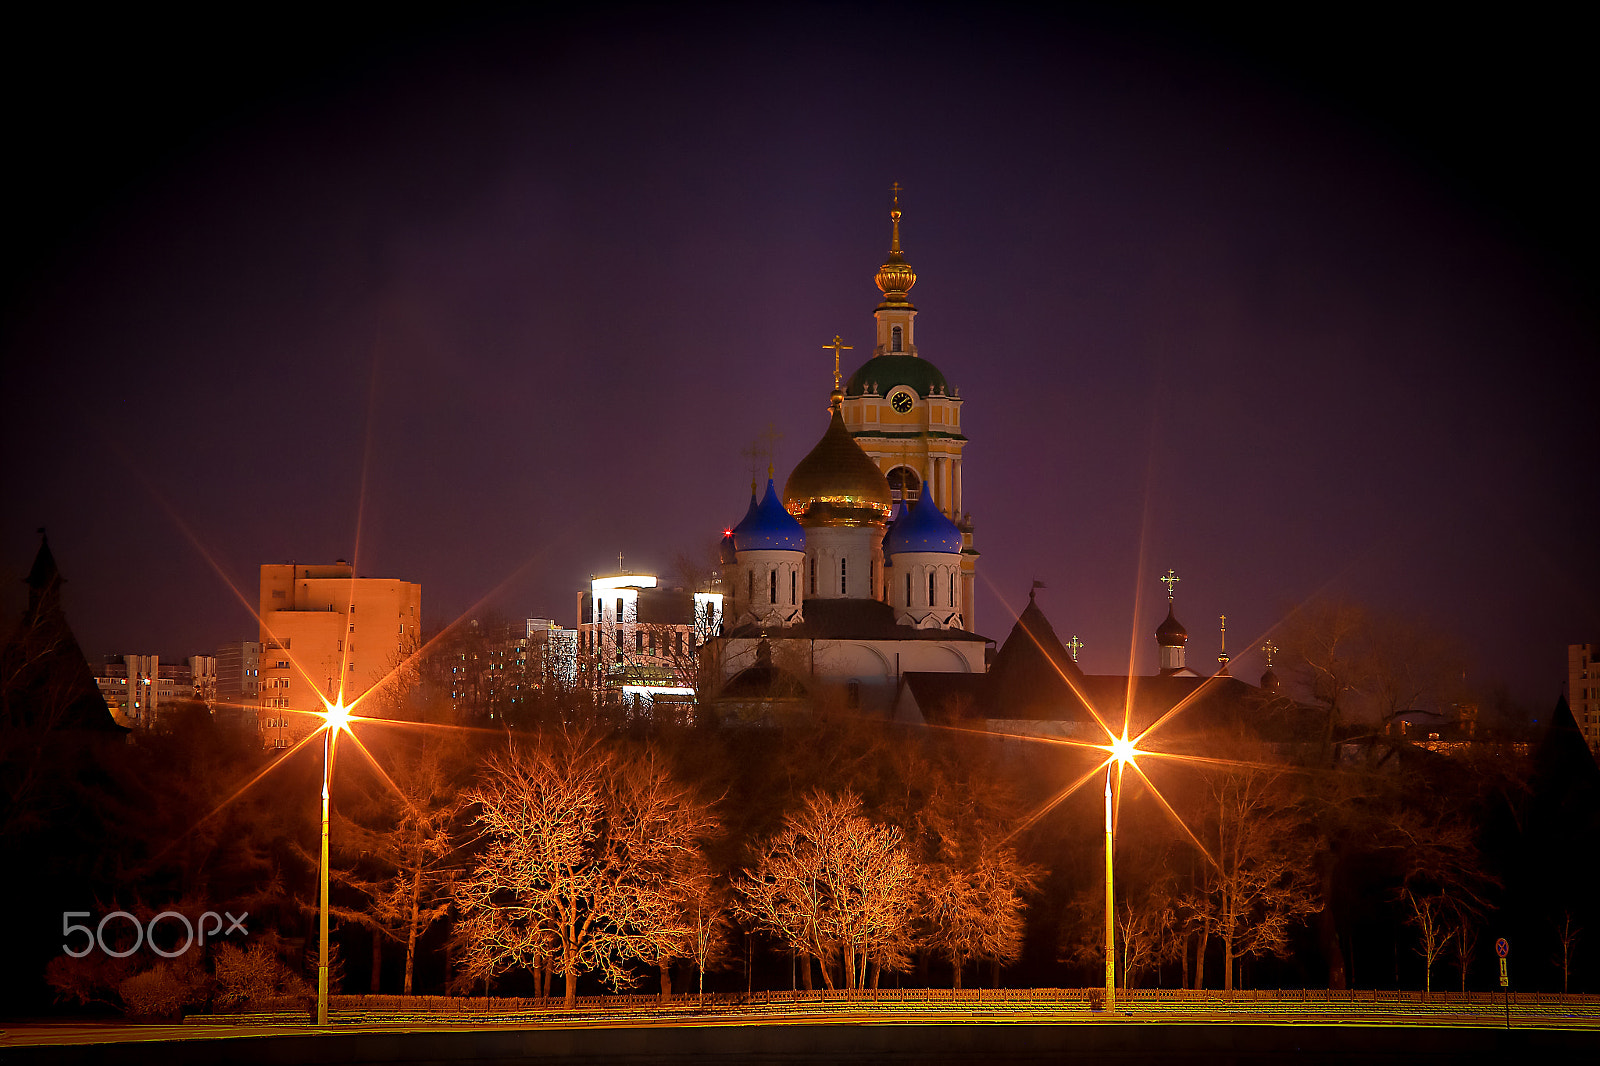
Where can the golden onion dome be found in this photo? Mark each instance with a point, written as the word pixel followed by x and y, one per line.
pixel 837 484
pixel 895 277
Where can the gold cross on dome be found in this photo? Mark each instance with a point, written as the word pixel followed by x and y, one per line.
pixel 1269 649
pixel 838 346
pixel 1074 646
pixel 896 189
pixel 1169 579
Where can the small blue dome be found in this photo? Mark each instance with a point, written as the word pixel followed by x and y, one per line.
pixel 923 528
pixel 769 526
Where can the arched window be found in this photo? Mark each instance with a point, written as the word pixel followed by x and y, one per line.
pixel 952 588
pixel 773 598
pixel 794 582
pixel 896 342
pixel 930 588
pixel 904 484
pixel 908 590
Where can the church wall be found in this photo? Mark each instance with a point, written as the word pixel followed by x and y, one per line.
pixel 944 611
pixel 752 585
pixel 860 548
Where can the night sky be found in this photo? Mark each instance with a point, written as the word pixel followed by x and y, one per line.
pixel 1293 308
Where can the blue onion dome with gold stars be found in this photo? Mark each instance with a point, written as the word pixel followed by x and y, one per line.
pixel 838 484
pixel 1171 634
pixel 769 527
pixel 924 528
pixel 727 548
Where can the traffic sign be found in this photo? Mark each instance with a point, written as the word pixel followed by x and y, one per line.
pixel 1502 947
pixel 1505 982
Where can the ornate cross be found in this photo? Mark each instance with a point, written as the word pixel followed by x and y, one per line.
pixel 896 189
pixel 1269 649
pixel 1074 646
pixel 838 346
pixel 764 446
pixel 1224 619
pixel 1170 579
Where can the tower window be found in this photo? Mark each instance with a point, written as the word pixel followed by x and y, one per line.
pixel 930 590
pixel 895 340
pixel 908 590
pixel 952 588
pixel 844 578
pixel 794 582
pixel 813 577
pixel 773 598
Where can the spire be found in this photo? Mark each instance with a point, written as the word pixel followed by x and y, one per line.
pixel 836 397
pixel 1222 656
pixel 895 276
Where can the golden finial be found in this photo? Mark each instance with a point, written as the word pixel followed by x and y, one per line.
pixel 1222 656
pixel 895 277
pixel 838 345
pixel 894 218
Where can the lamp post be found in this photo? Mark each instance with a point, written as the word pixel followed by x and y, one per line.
pixel 334 720
pixel 1111 914
pixel 1122 751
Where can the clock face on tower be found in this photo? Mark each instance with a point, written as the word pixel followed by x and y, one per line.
pixel 902 401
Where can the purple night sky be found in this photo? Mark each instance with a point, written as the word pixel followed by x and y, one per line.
pixel 1290 317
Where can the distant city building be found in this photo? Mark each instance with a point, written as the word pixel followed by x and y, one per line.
pixel 136 687
pixel 239 673
pixel 489 668
pixel 641 643
pixel 557 652
pixel 1583 691
pixel 327 634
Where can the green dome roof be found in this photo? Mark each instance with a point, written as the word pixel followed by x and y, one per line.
pixel 887 371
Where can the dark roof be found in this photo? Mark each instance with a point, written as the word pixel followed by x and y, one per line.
pixel 945 699
pixel 887 371
pixel 49 685
pixel 846 619
pixel 1032 675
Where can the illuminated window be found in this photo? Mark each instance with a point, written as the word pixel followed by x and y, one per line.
pixel 844 577
pixel 895 339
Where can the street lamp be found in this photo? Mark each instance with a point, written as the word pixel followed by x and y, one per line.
pixel 334 719
pixel 1122 751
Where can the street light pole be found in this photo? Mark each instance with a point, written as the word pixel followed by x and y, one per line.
pixel 1111 927
pixel 322 916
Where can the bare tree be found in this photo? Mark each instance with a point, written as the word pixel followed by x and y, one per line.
pixel 586 843
pixel 975 906
pixel 1567 932
pixel 404 839
pixel 1466 939
pixel 1261 884
pixel 834 885
pixel 1427 915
